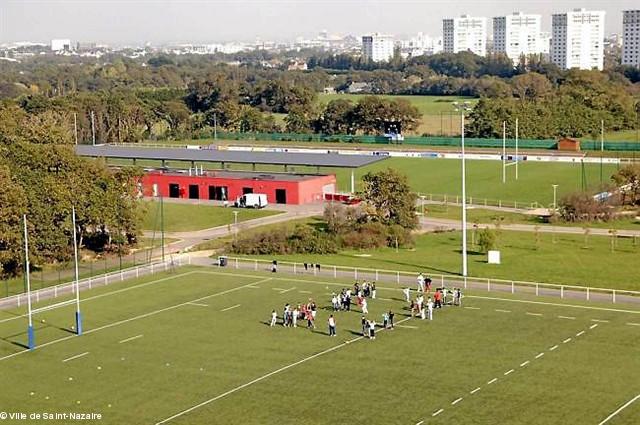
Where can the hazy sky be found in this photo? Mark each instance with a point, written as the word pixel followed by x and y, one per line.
pixel 137 21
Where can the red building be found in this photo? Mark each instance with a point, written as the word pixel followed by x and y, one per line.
pixel 280 188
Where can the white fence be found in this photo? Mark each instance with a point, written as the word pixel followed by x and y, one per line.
pixel 68 288
pixel 403 278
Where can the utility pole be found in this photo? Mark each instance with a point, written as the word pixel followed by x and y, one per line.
pixel 235 226
pixel 162 225
pixel 517 160
pixel 555 205
pixel 504 151
pixel 75 126
pixel 215 127
pixel 462 108
pixel 601 150
pixel 93 128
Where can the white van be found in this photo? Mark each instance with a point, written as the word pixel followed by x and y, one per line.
pixel 251 200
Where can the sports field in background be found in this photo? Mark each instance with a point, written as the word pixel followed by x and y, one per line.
pixel 193 347
pixel 187 217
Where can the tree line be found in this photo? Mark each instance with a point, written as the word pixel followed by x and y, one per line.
pixel 41 176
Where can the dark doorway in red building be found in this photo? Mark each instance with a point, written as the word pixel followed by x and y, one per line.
pixel 174 190
pixel 281 196
pixel 218 193
pixel 194 191
pixel 246 190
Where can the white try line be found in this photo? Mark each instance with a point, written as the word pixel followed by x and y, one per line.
pixel 130 339
pixel 265 376
pixel 593 326
pixel 115 292
pixel 553 348
pixel 472 308
pixel 567 317
pixel 599 321
pixel 492 381
pixel 75 357
pixel 475 391
pixel 436 413
pixel 407 326
pixel 580 333
pixel 524 363
pixel 502 311
pixel 284 291
pixel 633 324
pixel 624 406
pixel 231 308
pixel 539 355
pixel 456 401
pixel 566 340
pixel 141 316
pixel 533 314
pixel 199 304
pixel 508 372
pixel 305 292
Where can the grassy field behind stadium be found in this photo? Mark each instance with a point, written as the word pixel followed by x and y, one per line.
pixel 188 217
pixel 193 347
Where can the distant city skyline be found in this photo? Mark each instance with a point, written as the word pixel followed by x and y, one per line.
pixel 201 21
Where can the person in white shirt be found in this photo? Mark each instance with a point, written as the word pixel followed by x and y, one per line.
pixel 296 312
pixel 334 302
pixel 373 291
pixel 332 326
pixel 407 295
pixel 365 310
pixel 430 308
pixel 421 310
pixel 274 318
pixel 372 329
pixel 420 282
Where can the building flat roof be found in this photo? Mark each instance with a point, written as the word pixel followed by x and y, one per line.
pixel 237 157
pixel 241 175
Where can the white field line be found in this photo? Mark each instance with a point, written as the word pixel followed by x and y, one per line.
pixel 492 381
pixel 585 307
pixel 231 308
pixel 595 325
pixel 253 287
pixel 407 326
pixel 305 292
pixel 419 423
pixel 141 316
pixel 599 321
pixel 130 339
pixel 117 291
pixel 567 317
pixel 566 340
pixel 553 348
pixel 533 314
pixel 384 299
pixel 436 413
pixel 284 291
pixel 474 391
pixel 580 333
pixel 265 376
pixel 539 355
pixel 275 289
pixel 508 372
pixel 502 311
pixel 199 305
pixel 456 401
pixel 624 406
pixel 524 363
pixel 75 357
pixel 633 324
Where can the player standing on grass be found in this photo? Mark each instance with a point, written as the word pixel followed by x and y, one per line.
pixel 296 312
pixel 420 282
pixel 365 326
pixel 372 329
pixel 373 291
pixel 365 310
pixel 407 294
pixel 332 326
pixel 391 314
pixel 274 318
pixel 430 308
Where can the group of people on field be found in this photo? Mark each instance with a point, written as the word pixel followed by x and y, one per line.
pixel 422 306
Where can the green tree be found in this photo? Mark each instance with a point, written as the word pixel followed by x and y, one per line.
pixel 391 198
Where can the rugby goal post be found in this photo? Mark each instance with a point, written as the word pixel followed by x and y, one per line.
pixel 505 162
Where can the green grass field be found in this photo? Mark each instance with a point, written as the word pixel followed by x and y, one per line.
pixel 568 261
pixel 184 217
pixel 193 347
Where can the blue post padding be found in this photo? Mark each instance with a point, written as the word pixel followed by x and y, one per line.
pixel 79 323
pixel 32 339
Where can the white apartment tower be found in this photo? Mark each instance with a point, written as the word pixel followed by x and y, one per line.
pixel 465 33
pixel 377 47
pixel 631 38
pixel 517 34
pixel 577 39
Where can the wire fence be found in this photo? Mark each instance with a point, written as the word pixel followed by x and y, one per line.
pixel 446 199
pixel 104 279
pixel 403 279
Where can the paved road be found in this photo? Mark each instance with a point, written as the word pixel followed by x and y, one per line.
pixel 439 224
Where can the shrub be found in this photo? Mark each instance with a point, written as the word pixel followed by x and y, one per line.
pixel 487 240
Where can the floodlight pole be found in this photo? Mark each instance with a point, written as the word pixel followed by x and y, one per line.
pixel 555 191
pixel 517 159
pixel 215 127
pixel 75 253
pixel 162 225
pixel 75 126
pixel 504 151
pixel 31 337
pixel 93 128
pixel 353 182
pixel 601 149
pixel 464 200
pixel 235 226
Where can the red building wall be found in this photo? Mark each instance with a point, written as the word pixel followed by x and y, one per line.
pixel 297 191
